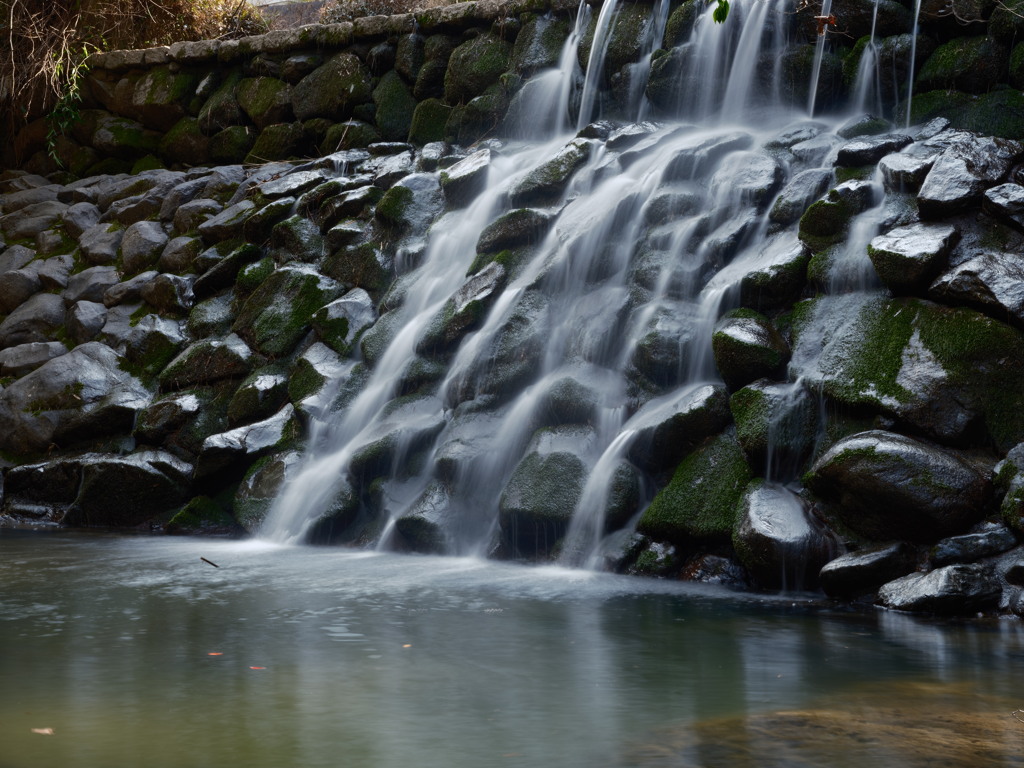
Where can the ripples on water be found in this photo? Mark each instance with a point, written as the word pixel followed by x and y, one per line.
pixel 342 658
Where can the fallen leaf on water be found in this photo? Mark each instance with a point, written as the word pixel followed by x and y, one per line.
pixel 215 653
pixel 257 667
pixel 44 731
pixel 407 645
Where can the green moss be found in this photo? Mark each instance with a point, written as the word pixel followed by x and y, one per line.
pixel 512 260
pixel 751 411
pixel 200 515
pixel 700 502
pixel 863 173
pixel 147 163
pixel 395 106
pixel 429 121
pixel 393 206
pixel 824 222
pixel 251 276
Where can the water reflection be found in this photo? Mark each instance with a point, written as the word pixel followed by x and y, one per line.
pixel 341 658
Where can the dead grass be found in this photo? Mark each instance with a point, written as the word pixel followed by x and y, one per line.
pixel 335 11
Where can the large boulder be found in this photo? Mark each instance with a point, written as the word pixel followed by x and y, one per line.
pixel 954 589
pixel 81 395
pixel 887 486
pixel 669 427
pixel 970 165
pixel 332 90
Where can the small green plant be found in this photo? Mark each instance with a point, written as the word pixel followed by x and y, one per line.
pixel 67 110
pixel 721 13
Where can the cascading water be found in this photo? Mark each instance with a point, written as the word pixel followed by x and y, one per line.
pixel 599 329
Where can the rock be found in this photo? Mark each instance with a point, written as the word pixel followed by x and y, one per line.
pixel 865 570
pixel 425 527
pixel 25 358
pixel 464 311
pixel 779 277
pixel 669 427
pixel 296 239
pixel 277 314
pixel 989 282
pixel 955 589
pixel 700 501
pixel 129 291
pixel 151 343
pixel 190 215
pixel 85 319
pixel 886 486
pixel 803 189
pixel 97 489
pixel 662 353
pixel 474 66
pixel 340 322
pixel 169 293
pixel 261 485
pixel 916 362
pixel 17 287
pixel 32 219
pixel 266 100
pixel 1006 202
pixel 752 178
pixel 81 395
pixel 410 426
pixel 780 545
pixel 55 272
pixel 747 347
pixel 522 226
pixel 970 64
pixel 99 244
pixel 79 218
pixel 908 258
pixel 333 89
pixel 466 179
pixel 224 452
pixel 546 182
pixel 777 425
pixel 15 257
pixel 207 361
pixel 699 154
pixel 962 173
pixel 228 223
pixel 825 222
pixel 869 150
pixel 259 396
pixel 35 320
pixel 541 495
pixel 905 172
pixel 141 245
pixel 992 539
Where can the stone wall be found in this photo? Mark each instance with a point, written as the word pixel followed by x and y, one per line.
pixel 451 73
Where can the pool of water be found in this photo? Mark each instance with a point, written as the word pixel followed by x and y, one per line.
pixel 129 651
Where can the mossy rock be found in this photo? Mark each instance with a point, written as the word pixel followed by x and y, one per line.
pixel 277 314
pixel 998 113
pixel 776 424
pixel 747 347
pixel 124 139
pixel 700 501
pixel 202 515
pixel 153 163
pixel 779 278
pixel 351 134
pixel 395 107
pixel 185 143
pixel 428 121
pixel 233 144
pixel 680 22
pixel 363 266
pixel 475 65
pixel 278 142
pixel 548 180
pixel 260 395
pixel 221 109
pixel 917 362
pixel 296 239
pixel 262 483
pixel 969 64
pixel 539 44
pixel 625 40
pixel 266 100
pixel 160 96
pixel 481 116
pixel 332 90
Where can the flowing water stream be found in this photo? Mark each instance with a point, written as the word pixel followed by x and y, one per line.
pixel 650 241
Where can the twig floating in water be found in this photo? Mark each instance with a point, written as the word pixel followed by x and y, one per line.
pixel 210 562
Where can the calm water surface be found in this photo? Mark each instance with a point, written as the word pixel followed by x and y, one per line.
pixel 134 652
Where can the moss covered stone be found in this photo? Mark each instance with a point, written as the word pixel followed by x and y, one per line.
pixel 395 107
pixel 202 515
pixel 233 144
pixel 969 64
pixel 221 109
pixel 700 501
pixel 276 316
pixel 185 143
pixel 429 121
pixel 998 113
pixel 475 65
pixel 161 95
pixel 747 347
pixel 266 100
pixel 332 90
pixel 351 134
pixel 539 44
pixel 363 266
pixel 260 395
pixel 278 142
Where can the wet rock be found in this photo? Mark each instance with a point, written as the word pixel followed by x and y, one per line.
pixel 228 223
pixel 748 177
pixel 151 343
pixel 802 190
pixel 99 244
pixel 224 452
pixel 747 347
pixel 425 527
pixel 97 489
pixel 825 222
pixel 55 272
pixel 83 394
pixel 15 257
pixel 970 64
pixel 225 271
pixel 277 314
pixel 777 425
pixel 179 256
pixel 474 66
pixel 17 287
pixel 207 361
pixel 79 218
pixel 410 426
pixel 546 182
pixel 35 320
pixel 886 486
pixel 464 311
pixel 777 541
pixel 700 501
pixel 541 495
pixel 162 418
pixel 990 282
pixel 700 153
pixel 779 277
pixel 341 322
pixel 29 221
pixel 141 246
pixel 332 90
pixel 963 172
pixel 869 150
pixel 954 589
pixel 169 293
pixel 908 258
pixel 259 396
pixel 864 571
pixel 128 291
pixel 212 317
pixel 311 373
pixel 464 180
pixel 411 205
pixel 25 358
pixel 85 319
pixel 991 539
pixel 517 348
pixel 261 485
pixel 90 284
pixel 296 239
pixel 662 351
pixel 1006 202
pixel 669 427
pixel 190 215
pixel 903 172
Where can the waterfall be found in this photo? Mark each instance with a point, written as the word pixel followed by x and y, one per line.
pixel 602 323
